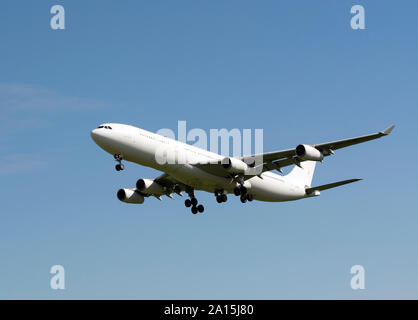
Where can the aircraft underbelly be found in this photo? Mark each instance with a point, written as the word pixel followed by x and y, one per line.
pixel 274 191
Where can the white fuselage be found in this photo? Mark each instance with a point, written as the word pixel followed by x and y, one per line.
pixel 141 147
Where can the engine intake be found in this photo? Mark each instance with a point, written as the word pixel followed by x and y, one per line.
pixel 130 196
pixel 307 152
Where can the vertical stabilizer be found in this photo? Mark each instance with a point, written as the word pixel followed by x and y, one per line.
pixel 302 175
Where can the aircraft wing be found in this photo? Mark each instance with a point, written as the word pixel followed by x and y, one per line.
pixel 166 180
pixel 282 158
pixel 170 184
pixel 278 159
pixel 349 142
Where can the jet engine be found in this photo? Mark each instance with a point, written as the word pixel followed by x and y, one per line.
pixel 130 196
pixel 307 152
pixel 234 165
pixel 149 186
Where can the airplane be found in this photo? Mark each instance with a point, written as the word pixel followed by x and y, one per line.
pixel 217 174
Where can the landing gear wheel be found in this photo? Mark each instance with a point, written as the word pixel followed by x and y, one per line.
pixel 250 197
pixel 243 190
pixel 243 199
pixel 119 167
pixel 200 208
pixel 219 199
pixel 187 203
pixel 224 197
pixel 193 201
pixel 237 192
pixel 194 209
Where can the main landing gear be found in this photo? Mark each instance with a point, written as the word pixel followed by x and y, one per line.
pixel 118 158
pixel 246 197
pixel 192 202
pixel 221 196
pixel 243 194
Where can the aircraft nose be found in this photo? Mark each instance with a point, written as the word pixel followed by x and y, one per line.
pixel 94 134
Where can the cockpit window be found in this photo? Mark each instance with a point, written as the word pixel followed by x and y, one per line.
pixel 104 127
pixel 99 127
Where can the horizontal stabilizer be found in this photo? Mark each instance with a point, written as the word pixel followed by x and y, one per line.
pixel 329 186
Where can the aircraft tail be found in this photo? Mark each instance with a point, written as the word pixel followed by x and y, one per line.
pixel 302 175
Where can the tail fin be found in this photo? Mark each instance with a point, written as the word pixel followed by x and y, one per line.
pixel 302 175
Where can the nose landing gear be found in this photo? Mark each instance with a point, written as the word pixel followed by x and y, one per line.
pixel 118 158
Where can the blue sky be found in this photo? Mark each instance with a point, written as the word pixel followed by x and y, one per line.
pixel 293 68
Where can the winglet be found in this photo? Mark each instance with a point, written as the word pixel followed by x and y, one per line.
pixel 388 130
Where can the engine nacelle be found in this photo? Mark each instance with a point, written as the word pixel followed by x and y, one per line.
pixel 307 152
pixel 234 165
pixel 149 186
pixel 130 196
